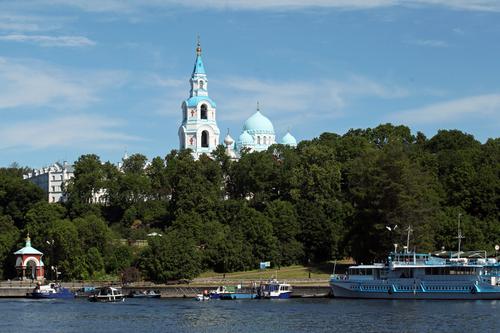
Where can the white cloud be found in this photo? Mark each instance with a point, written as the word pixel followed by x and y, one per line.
pixel 291 102
pixel 286 102
pixel 30 83
pixel 429 42
pixel 120 6
pixel 72 131
pixel 486 107
pixel 12 22
pixel 49 41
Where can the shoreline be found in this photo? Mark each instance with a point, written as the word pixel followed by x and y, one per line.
pixel 301 288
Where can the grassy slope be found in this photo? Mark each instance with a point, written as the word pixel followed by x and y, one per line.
pixel 322 271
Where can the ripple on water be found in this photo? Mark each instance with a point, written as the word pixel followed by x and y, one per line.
pixel 295 315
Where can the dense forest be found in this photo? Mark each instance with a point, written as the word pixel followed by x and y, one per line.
pixel 329 198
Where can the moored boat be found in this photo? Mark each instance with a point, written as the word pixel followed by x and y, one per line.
pixel 274 290
pixel 411 275
pixel 107 294
pixel 421 276
pixel 231 293
pixel 50 291
pixel 144 294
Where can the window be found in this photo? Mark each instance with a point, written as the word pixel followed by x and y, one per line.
pixel 201 85
pixel 265 140
pixel 204 139
pixel 203 111
pixel 258 140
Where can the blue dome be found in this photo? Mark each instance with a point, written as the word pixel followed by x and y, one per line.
pixel 289 139
pixel 245 139
pixel 258 123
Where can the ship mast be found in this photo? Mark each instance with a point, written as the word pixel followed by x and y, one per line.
pixel 459 235
pixel 409 230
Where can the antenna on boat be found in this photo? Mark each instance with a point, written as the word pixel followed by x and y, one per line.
pixel 459 235
pixel 409 230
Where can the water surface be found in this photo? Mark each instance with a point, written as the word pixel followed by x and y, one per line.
pixel 294 315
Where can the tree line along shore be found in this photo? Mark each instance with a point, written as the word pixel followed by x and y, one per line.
pixel 332 197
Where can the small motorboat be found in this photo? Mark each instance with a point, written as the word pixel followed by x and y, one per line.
pixel 202 297
pixel 50 291
pixel 85 292
pixel 275 289
pixel 230 293
pixel 107 294
pixel 144 294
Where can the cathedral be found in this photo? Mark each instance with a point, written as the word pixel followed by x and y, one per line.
pixel 199 131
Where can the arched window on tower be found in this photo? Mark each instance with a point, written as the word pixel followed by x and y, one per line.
pixel 203 111
pixel 201 85
pixel 204 139
pixel 265 140
pixel 258 140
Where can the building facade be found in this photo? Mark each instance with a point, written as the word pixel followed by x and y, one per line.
pixel 52 180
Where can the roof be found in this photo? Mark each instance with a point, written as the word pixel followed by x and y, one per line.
pixel 228 140
pixel 245 139
pixel 195 100
pixel 258 123
pixel 28 249
pixel 199 68
pixel 289 139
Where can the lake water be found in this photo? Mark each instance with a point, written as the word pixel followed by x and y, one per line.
pixel 294 315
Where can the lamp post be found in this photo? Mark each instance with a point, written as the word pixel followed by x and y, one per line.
pixel 51 244
pixel 497 247
pixel 392 230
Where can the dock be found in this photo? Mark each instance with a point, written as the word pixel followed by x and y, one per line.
pixel 301 288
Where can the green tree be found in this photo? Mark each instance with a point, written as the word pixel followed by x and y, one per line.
pixel 286 228
pixel 9 235
pixel 87 182
pixel 17 196
pixel 388 189
pixel 171 257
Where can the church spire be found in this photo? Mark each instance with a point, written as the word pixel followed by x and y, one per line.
pixel 198 47
pixel 199 69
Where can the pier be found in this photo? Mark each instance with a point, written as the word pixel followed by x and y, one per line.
pixel 301 288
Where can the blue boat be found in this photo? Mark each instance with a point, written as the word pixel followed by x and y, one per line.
pixel 50 291
pixel 231 293
pixel 274 290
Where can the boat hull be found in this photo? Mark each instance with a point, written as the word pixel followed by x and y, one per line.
pixel 110 299
pixel 232 296
pixel 67 295
pixel 343 290
pixel 279 296
pixel 61 293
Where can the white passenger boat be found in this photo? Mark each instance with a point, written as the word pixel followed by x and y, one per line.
pixel 107 294
pixel 421 276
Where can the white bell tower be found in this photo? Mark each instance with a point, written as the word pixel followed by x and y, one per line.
pixel 199 131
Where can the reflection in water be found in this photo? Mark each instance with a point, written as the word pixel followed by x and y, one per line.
pixel 295 315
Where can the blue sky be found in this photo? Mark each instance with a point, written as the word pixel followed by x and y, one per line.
pixel 105 76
